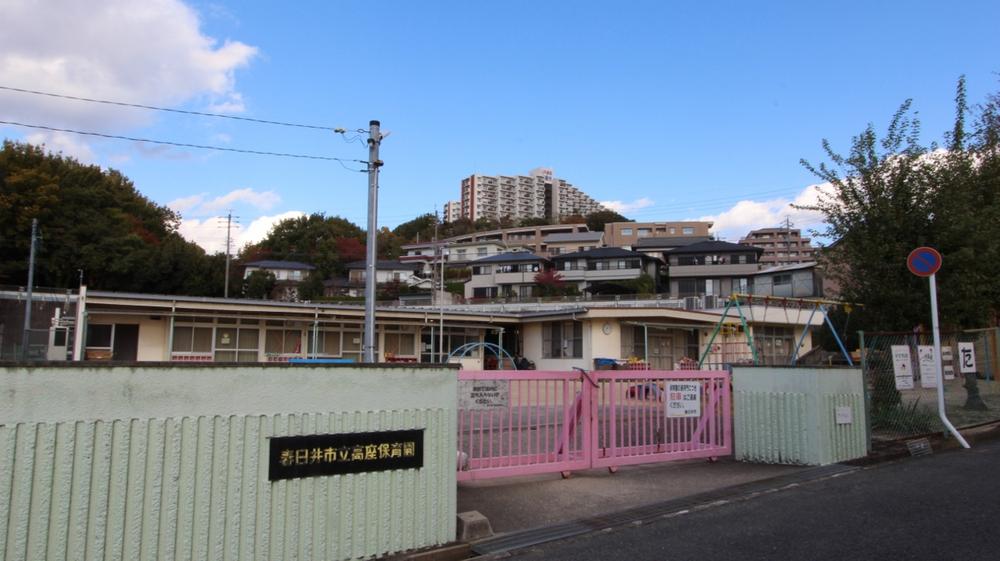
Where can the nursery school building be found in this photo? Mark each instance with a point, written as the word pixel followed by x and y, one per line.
pixel 649 334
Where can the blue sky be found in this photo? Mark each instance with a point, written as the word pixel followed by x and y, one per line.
pixel 673 111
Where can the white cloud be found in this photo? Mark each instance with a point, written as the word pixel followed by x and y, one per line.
pixel 64 143
pixel 747 215
pixel 261 200
pixel 210 233
pixel 151 52
pixel 623 207
pixel 185 204
pixel 199 205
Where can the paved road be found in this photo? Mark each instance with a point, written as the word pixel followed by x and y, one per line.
pixel 940 507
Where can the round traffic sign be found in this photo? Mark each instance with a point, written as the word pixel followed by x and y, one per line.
pixel 924 261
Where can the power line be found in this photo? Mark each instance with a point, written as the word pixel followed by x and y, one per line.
pixel 169 110
pixel 342 161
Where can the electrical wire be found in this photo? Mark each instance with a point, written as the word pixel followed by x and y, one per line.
pixel 342 161
pixel 169 110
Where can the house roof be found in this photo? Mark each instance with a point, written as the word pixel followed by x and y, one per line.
pixel 275 264
pixel 574 237
pixel 785 268
pixel 393 265
pixel 714 246
pixel 513 257
pixel 669 242
pixel 603 253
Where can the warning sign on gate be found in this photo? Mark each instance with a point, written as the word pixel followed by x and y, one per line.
pixel 683 399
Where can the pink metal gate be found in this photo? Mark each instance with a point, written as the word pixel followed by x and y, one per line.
pixel 531 422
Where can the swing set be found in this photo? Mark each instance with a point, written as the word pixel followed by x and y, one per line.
pixel 740 302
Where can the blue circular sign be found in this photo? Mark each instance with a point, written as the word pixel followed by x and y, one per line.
pixel 924 261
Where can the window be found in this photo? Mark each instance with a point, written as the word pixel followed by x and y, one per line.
pixel 555 250
pixel 687 231
pixel 236 344
pixel 481 251
pixel 687 287
pixel 643 232
pixel 283 341
pixel 782 279
pixel 673 230
pixel 774 344
pixel 328 343
pixel 99 336
pixel 481 270
pixel 400 344
pixel 190 339
pixel 460 253
pixel 562 340
pixel 626 231
pixel 741 259
pixel 295 275
pixel 741 285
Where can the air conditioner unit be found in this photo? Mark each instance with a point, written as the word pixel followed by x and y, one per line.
pixel 711 301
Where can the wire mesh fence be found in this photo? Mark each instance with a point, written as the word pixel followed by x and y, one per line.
pixel 902 379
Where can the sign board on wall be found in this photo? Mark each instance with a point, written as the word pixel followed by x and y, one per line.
pixel 683 399
pixel 966 358
pixel 901 367
pixel 331 454
pixel 483 394
pixel 928 366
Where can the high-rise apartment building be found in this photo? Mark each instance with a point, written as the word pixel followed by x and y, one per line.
pixel 536 195
pixel 782 246
pixel 452 211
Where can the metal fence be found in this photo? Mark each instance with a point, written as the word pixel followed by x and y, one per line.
pixel 33 344
pixel 901 381
pixel 528 422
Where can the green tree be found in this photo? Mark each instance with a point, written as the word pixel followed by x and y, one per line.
pixel 597 220
pixel 891 195
pixel 258 285
pixel 92 220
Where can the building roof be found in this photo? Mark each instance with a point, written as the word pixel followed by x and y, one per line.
pixel 274 264
pixel 714 246
pixel 669 242
pixel 513 257
pixel 387 265
pixel 574 237
pixel 785 268
pixel 603 253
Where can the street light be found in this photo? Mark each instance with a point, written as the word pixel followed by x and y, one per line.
pixel 444 253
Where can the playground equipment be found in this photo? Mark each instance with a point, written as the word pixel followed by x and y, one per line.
pixel 739 302
pixel 497 350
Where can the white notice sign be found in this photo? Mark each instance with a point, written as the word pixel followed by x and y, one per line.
pixel 966 357
pixel 683 399
pixel 901 367
pixel 928 366
pixel 845 415
pixel 483 394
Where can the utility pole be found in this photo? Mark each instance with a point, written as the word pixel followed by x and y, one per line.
pixel 374 139
pixel 229 224
pixel 440 292
pixel 788 239
pixel 26 336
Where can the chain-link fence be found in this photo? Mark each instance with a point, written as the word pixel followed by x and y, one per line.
pixel 901 381
pixel 47 336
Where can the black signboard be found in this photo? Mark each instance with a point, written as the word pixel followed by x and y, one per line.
pixel 317 455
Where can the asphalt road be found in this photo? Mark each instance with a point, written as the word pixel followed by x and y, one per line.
pixel 939 507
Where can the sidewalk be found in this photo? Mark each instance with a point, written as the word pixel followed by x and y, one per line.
pixel 521 503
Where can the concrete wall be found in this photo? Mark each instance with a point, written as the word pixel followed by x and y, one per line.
pixel 171 462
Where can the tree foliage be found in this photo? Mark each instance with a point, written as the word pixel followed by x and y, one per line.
pixel 890 195
pixel 96 221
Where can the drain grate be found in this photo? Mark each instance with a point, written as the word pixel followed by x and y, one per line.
pixel 535 536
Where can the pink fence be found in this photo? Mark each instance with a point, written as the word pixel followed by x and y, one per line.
pixel 526 422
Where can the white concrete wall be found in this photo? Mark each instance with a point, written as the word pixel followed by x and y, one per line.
pixel 171 462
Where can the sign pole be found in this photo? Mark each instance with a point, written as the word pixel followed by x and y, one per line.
pixel 937 364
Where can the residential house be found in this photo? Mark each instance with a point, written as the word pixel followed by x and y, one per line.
pixel 628 234
pixel 508 275
pixel 288 275
pixel 386 272
pixel 711 270
pixel 557 244
pixel 598 270
pixel 802 280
